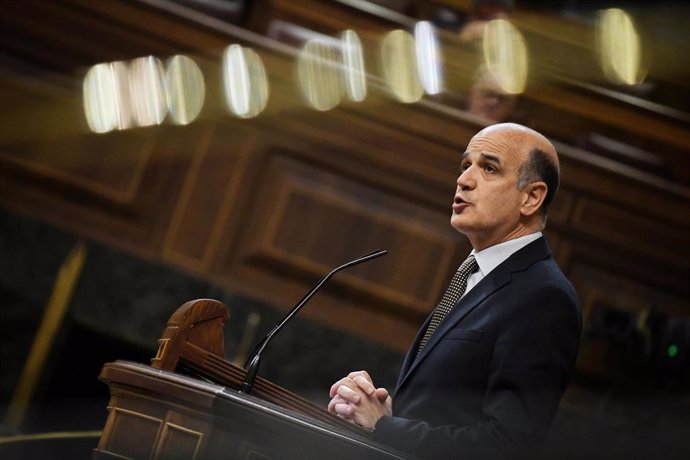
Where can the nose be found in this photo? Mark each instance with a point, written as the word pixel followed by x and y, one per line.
pixel 466 180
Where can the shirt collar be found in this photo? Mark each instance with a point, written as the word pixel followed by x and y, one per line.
pixel 493 256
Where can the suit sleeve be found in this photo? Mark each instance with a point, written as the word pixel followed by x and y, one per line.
pixel 534 353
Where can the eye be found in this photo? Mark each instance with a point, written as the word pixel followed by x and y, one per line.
pixel 490 168
pixel 464 166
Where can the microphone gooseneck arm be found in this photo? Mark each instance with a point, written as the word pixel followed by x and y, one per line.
pixel 254 359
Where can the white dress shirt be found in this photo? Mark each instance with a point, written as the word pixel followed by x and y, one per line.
pixel 493 256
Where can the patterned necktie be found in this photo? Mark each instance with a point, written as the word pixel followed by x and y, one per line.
pixel 454 292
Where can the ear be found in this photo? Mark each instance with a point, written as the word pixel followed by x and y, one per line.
pixel 534 195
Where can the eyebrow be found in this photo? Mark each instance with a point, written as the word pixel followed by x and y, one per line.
pixel 484 156
pixel 493 158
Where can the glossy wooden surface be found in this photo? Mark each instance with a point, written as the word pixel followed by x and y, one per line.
pixel 155 414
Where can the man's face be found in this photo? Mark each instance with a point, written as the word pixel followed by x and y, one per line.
pixel 487 201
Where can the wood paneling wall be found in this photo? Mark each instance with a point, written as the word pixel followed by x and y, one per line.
pixel 266 206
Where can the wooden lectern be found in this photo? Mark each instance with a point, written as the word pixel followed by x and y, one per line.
pixel 187 405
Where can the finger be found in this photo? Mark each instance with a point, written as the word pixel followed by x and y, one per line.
pixel 347 383
pixel 343 409
pixel 366 385
pixel 348 394
pixel 333 402
pixel 364 374
pixel 334 388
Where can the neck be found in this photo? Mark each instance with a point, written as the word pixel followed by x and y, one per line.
pixel 480 242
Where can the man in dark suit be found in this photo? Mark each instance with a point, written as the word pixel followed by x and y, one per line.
pixel 485 374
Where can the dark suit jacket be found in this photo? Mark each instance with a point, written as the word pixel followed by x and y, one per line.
pixel 488 382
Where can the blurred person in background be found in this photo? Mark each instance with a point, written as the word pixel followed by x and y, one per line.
pixel 488 100
pixel 482 12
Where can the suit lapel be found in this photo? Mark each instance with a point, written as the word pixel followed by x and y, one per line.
pixel 498 278
pixel 412 352
pixel 465 305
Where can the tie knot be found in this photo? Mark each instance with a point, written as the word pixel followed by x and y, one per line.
pixel 469 266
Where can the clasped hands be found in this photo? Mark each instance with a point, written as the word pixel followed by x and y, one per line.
pixel 356 399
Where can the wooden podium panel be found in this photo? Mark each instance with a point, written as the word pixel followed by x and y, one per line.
pixel 156 414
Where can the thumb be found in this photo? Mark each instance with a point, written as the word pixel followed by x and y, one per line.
pixel 381 394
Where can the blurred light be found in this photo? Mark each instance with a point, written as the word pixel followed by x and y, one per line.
pixel 399 62
pixel 106 97
pixel 505 54
pixel 245 82
pixel 672 351
pixel 125 115
pixel 319 75
pixel 186 90
pixel 428 58
pixel 353 59
pixel 147 91
pixel 100 98
pixel 618 47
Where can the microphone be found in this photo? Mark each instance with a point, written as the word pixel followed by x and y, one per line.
pixel 254 359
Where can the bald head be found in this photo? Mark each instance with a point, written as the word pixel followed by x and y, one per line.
pixel 522 139
pixel 538 157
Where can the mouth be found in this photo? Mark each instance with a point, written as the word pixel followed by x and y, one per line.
pixel 459 204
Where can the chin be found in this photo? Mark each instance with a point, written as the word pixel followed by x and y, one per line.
pixel 456 223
